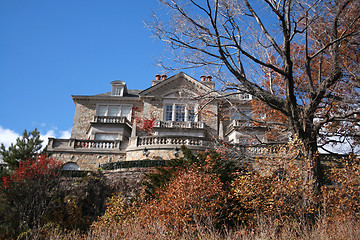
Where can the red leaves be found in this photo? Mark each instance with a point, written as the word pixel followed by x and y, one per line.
pixel 28 169
pixel 148 124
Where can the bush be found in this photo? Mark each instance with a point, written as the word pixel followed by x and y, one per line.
pixel 277 187
pixel 26 195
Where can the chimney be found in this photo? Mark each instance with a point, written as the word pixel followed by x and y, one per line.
pixel 206 80
pixel 157 79
pixel 164 77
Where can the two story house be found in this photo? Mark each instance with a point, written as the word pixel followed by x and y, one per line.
pixel 125 125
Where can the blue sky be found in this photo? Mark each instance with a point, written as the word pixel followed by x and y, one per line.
pixel 52 49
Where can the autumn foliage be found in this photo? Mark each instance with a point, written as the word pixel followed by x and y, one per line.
pixel 276 188
pixel 201 197
pixel 27 194
pixel 42 167
pixel 341 199
pixel 192 197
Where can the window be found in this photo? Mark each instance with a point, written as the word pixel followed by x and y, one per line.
pixel 102 136
pixel 70 166
pixel 114 110
pixel 168 112
pixel 191 114
pixel 245 96
pixel 117 91
pixel 179 113
pixel 240 114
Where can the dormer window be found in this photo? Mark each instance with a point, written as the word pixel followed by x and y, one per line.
pixel 245 96
pixel 118 88
pixel 117 91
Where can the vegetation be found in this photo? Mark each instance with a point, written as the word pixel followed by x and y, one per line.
pixel 133 164
pixel 298 59
pixel 199 195
pixel 26 148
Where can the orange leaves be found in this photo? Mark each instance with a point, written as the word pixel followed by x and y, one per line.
pixel 278 188
pixel 341 200
pixel 192 196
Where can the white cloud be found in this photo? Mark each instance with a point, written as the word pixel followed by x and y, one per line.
pixel 7 136
pixel 44 137
pixel 65 134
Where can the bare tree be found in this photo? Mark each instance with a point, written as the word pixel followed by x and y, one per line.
pixel 311 47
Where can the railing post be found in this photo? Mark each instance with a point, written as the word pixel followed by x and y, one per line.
pixel 72 143
pixel 51 142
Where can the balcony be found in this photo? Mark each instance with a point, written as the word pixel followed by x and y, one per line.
pixel 170 140
pixel 78 145
pixel 111 119
pixel 174 124
pixel 173 128
pixel 241 123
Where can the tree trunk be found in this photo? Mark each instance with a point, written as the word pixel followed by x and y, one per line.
pixel 315 173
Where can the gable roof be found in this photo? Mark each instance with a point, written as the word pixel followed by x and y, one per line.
pixel 149 91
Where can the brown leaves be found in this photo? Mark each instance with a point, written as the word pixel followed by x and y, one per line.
pixel 192 196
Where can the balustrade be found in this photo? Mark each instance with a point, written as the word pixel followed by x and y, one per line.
pixel 174 124
pixel 96 144
pixel 159 140
pixel 110 119
pixel 241 123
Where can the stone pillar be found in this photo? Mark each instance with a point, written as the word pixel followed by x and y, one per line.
pixel 133 140
pixel 221 130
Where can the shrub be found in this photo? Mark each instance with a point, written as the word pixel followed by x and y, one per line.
pixel 278 186
pixel 26 195
pixel 341 199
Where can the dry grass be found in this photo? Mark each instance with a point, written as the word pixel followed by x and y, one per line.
pixel 265 230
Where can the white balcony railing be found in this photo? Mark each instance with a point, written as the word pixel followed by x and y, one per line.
pixel 241 123
pixel 170 140
pixel 110 119
pixel 83 145
pixel 97 144
pixel 174 124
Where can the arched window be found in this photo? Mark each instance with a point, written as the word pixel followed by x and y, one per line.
pixel 70 166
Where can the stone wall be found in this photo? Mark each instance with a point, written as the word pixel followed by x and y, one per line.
pixel 87 161
pixel 154 109
pixel 127 181
pixel 154 154
pixel 84 114
pixel 209 115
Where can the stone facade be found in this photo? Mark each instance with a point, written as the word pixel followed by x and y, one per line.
pixel 84 114
pixel 110 127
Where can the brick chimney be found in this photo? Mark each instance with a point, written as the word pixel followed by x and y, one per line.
pixel 208 82
pixel 158 78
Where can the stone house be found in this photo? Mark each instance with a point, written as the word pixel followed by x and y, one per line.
pixel 125 125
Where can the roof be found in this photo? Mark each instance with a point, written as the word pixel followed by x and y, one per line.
pixel 174 78
pixel 130 93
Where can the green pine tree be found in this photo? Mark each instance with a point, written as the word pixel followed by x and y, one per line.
pixel 26 148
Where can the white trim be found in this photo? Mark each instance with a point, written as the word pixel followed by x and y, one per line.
pixel 117 105
pixel 186 105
